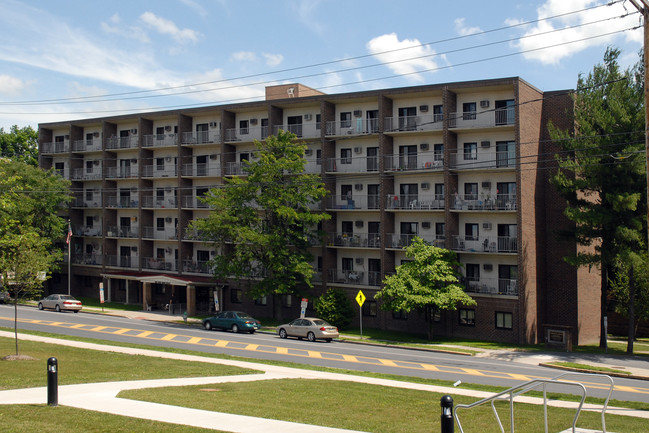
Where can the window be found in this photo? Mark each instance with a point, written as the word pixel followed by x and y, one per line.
pixel 346 119
pixel 470 151
pixel 346 156
pixel 348 264
pixel 505 154
pixel 370 309
pixel 347 228
pixel 467 317
pixel 159 194
pixel 472 273
pixel 88 167
pixel 90 221
pixel 408 157
pixel 160 163
pixel 505 113
pixel 287 300
pixel 243 127
pixel 440 231
pixel 504 320
pixel 400 315
pixel 372 117
pixel 295 125
pixel 471 191
pixel 438 113
pixel 160 224
pixel 318 157
pixel 261 301
pixel 438 151
pixel 468 110
pixel 318 119
pixel 236 296
pixel 160 253
pixel 346 192
pixel 439 192
pixel 471 231
pixel 407 118
pixel 89 194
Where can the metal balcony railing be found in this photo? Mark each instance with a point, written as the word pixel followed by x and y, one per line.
pixel 56 147
pixel 92 145
pixel 484 202
pixel 355 201
pixel 156 264
pixel 356 240
pixel 415 201
pixel 159 140
pixel 488 244
pixel 353 164
pixel 417 161
pixel 424 122
pixel 213 136
pixel 114 143
pixel 479 159
pixel 356 126
pixel 483 119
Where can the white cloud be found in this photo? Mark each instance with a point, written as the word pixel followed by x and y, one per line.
pixel 113 26
pixel 11 86
pixel 560 41
pixel 243 56
pixel 167 27
pixel 200 10
pixel 404 57
pixel 463 30
pixel 273 59
pixel 307 14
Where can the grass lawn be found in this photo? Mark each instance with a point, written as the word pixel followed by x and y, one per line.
pixel 365 407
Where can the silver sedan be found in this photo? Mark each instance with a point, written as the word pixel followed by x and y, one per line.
pixel 59 303
pixel 310 328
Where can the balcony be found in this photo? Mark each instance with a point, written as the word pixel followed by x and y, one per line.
pixel 93 145
pixel 483 119
pixel 246 134
pixel 485 244
pixel 415 202
pixel 151 202
pixel 354 278
pixel 201 137
pixel 358 126
pixel 492 286
pixel 396 240
pixel 236 168
pixel 56 147
pixel 482 160
pixel 159 140
pixel 121 232
pixel 156 264
pixel 194 203
pixel 81 230
pixel 357 201
pixel 166 234
pixel 83 202
pixel 158 171
pixel 356 164
pixel 84 174
pixel 360 240
pixel 197 267
pixel 506 202
pixel 201 170
pixel 429 160
pixel 115 143
pixel 88 259
pixel 194 235
pixel 121 202
pixel 427 122
pixel 122 172
pixel 130 262
pixel 309 130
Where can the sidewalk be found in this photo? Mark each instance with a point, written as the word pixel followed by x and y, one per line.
pixel 101 397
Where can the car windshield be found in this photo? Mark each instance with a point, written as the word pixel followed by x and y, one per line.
pixel 320 322
pixel 67 297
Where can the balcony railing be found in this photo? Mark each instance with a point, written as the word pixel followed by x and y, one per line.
pixel 235 168
pixel 355 278
pixel 155 171
pixel 357 126
pixel 197 267
pixel 483 119
pixel 202 169
pixel 488 203
pixel 83 174
pixel 352 164
pixel 419 161
pixel 122 232
pixel 121 172
pixel 56 147
pixel 153 263
pixel 194 235
pixel 360 240
pixel 149 232
pixel 159 140
pixel 82 202
pixel 494 286
pixel 194 203
pixel 81 230
pixel 213 136
pixel 247 134
pixel 301 130
pixel 122 261
pixel 396 240
pixel 489 244
pixel 482 160
pixel 356 201
pixel 92 145
pixel 415 201
pixel 87 259
pixel 114 143
pixel 151 202
pixel 427 122
pixel 121 202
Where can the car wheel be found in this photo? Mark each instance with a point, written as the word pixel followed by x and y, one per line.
pixel 40 305
pixel 282 333
pixel 310 336
pixel 328 340
pixel 57 308
pixel 252 332
pixel 207 325
pixel 76 311
pixel 235 328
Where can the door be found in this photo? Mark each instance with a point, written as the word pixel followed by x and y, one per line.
pixel 372 117
pixel 125 257
pixel 507 279
pixel 372 159
pixel 407 118
pixel 125 227
pixel 374 272
pixel 408 194
pixel 201 165
pixel 374 234
pixel 408 157
pixel 202 133
pixel 373 196
pixel 505 154
pixel 507 238
pixel 124 168
pixel 408 231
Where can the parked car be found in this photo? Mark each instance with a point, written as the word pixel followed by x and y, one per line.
pixel 234 320
pixel 4 297
pixel 59 303
pixel 310 328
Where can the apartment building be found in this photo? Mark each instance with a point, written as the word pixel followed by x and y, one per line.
pixel 462 165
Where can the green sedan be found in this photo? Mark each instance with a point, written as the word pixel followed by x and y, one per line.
pixel 234 320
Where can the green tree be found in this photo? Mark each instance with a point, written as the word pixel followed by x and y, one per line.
pixel 20 144
pixel 262 223
pixel 334 307
pixel 428 282
pixel 602 171
pixel 30 200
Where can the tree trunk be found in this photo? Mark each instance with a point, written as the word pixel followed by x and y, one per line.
pixel 16 321
pixel 631 334
pixel 604 308
pixel 429 314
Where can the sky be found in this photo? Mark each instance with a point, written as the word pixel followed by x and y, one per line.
pixel 62 60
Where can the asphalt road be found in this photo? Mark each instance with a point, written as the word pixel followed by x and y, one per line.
pixel 388 360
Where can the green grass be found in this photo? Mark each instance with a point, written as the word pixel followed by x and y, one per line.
pixel 588 367
pixel 94 303
pixel 364 407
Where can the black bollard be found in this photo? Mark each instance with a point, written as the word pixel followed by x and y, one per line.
pixel 52 382
pixel 447 422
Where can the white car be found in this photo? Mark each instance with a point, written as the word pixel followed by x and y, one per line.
pixel 310 328
pixel 59 303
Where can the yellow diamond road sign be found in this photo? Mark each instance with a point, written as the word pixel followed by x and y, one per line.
pixel 360 298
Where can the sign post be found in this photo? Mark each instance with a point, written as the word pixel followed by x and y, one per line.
pixel 101 295
pixel 303 306
pixel 360 298
pixel 216 300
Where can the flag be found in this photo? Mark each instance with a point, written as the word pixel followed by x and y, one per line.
pixel 67 240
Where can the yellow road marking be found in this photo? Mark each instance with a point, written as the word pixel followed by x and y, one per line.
pixel 312 354
pixel 430 367
pixel 473 372
pixel 169 337
pixel 281 350
pixel 251 347
pixel 388 363
pixel 194 340
pixel 349 358
pixel 144 334
pixel 122 331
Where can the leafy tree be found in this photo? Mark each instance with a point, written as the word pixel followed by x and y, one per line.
pixel 602 170
pixel 30 200
pixel 20 144
pixel 428 281
pixel 262 223
pixel 334 307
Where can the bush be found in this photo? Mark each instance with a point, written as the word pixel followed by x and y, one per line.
pixel 335 308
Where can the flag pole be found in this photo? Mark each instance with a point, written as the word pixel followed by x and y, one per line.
pixel 69 241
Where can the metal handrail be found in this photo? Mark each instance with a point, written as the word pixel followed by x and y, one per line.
pixel 523 388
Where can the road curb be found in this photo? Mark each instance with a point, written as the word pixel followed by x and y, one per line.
pixel 585 370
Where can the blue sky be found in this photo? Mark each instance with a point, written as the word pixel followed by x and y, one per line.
pixel 220 51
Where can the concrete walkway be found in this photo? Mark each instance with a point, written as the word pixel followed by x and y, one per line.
pixel 101 397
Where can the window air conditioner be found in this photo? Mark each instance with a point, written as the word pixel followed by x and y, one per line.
pixel 95 162
pixel 484 104
pixel 423 108
pixel 485 143
pixel 487 266
pixel 358 149
pixel 359 260
pixel 359 223
pixel 133 160
pixel 425 185
pixel 133 248
pixel 168 219
pixel 308 152
pixel 358 113
pixel 95 134
pixel 423 146
pixel 66 137
pixel 168 159
pixel 253 121
pixel 213 156
pixel 168 128
pixel 307 117
pixel 212 124
pixel 425 225
pixel 486 226
pixel 358 187
pixel 486 184
pixel 134 131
